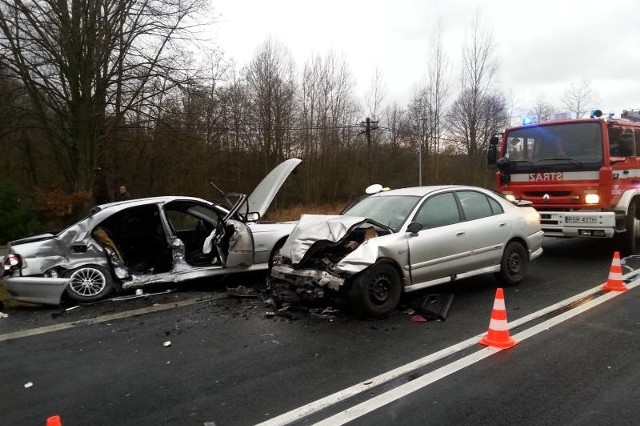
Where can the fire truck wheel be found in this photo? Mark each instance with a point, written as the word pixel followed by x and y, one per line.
pixel 628 241
pixel 514 264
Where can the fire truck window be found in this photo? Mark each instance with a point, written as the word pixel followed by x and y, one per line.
pixel 620 142
pixel 637 135
pixel 626 143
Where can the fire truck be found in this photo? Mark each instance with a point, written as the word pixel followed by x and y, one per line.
pixel 582 175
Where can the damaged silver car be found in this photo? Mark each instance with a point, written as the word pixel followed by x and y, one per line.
pixel 396 241
pixel 130 244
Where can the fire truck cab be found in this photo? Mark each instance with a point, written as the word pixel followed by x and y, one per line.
pixel 582 175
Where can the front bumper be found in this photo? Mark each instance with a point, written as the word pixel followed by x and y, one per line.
pixel 306 277
pixel 578 224
pixel 47 291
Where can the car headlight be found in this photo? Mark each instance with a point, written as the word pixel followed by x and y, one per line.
pixel 509 196
pixel 591 198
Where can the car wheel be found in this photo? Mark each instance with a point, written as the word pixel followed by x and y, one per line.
pixel 514 263
pixel 89 283
pixel 376 291
pixel 628 241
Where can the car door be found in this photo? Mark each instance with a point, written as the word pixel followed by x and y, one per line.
pixel 488 228
pixel 439 249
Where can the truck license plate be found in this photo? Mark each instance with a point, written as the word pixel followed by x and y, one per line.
pixel 579 219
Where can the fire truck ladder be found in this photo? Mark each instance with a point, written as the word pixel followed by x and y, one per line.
pixel 633 115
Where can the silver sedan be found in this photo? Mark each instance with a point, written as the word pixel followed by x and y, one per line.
pixel 396 241
pixel 130 244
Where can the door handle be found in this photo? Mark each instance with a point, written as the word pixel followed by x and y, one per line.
pixel 502 224
pixel 459 234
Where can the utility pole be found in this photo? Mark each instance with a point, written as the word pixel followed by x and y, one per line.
pixel 369 126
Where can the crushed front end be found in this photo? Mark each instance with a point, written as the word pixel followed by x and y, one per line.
pixel 323 252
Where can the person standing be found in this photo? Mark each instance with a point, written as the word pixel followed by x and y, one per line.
pixel 123 194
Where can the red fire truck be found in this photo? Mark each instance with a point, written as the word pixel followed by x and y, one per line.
pixel 582 175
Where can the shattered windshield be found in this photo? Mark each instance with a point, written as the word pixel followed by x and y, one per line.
pixel 391 210
pixel 575 143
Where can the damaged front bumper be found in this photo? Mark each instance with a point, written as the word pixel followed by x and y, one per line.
pixel 306 277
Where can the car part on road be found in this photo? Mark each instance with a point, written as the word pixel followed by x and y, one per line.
pixel 433 306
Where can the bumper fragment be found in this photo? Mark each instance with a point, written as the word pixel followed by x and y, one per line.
pixel 305 277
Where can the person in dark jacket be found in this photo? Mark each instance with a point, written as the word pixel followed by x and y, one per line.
pixel 123 194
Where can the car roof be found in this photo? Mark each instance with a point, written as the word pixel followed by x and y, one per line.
pixel 421 191
pixel 108 209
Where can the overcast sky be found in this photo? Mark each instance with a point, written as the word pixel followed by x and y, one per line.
pixel 542 46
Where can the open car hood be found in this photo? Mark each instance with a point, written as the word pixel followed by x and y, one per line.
pixel 262 196
pixel 315 227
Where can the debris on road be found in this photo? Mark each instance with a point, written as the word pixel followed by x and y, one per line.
pixel 167 343
pixel 433 306
pixel 3 315
pixel 418 318
pixel 241 291
pixel 140 294
pixel 28 385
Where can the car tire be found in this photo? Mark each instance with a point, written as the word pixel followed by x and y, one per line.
pixel 628 241
pixel 513 266
pixel 89 283
pixel 376 291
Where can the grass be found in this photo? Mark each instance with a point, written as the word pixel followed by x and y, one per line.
pixel 6 300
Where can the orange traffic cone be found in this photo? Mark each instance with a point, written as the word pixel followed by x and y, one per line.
pixel 615 283
pixel 498 334
pixel 54 421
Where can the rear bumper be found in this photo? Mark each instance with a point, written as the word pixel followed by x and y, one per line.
pixel 47 291
pixel 578 224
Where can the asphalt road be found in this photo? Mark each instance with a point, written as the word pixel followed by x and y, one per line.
pixel 229 362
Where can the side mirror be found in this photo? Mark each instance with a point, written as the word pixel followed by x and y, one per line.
pixel 252 217
pixel 492 151
pixel 492 155
pixel 414 228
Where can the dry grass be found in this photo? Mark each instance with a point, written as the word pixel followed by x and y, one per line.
pixel 294 213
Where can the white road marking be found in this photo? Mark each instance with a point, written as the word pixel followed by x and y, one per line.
pixel 340 396
pixel 104 318
pixel 423 381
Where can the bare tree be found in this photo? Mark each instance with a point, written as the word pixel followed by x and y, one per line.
pixel 87 64
pixel 326 104
pixel 479 110
pixel 437 93
pixel 579 97
pixel 541 110
pixel 271 84
pixel 376 95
